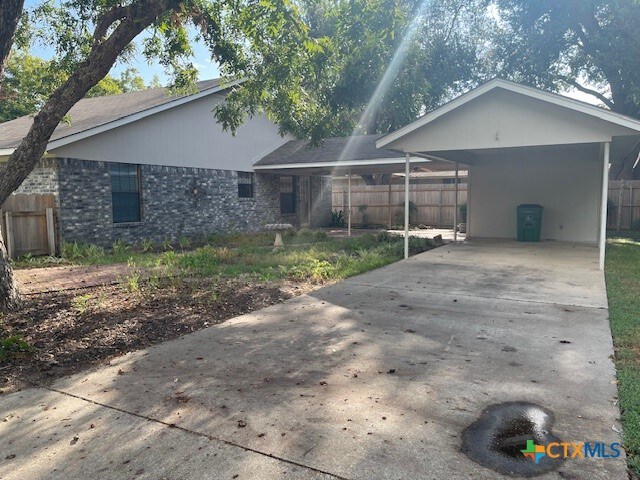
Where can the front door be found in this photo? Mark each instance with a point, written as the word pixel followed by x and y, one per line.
pixel 305 201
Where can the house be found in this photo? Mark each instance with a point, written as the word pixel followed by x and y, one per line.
pixel 149 165
pixel 519 145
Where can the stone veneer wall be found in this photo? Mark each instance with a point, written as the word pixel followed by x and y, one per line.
pixel 176 202
pixel 42 180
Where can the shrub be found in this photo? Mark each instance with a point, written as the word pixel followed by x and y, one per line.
pixel 184 243
pixel 12 346
pixel 413 213
pixel 463 213
pixel 166 244
pixel 337 219
pixel 71 251
pixel 81 303
pixel 147 245
pixel 119 247
pixel 314 270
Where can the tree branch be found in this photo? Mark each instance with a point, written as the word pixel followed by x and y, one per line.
pixel 590 91
pixel 108 19
pixel 453 23
pixel 88 73
pixel 10 12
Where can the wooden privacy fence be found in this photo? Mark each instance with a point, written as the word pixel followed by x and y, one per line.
pixel 434 203
pixel 28 225
pixel 624 204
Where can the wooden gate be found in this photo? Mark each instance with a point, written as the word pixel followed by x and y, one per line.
pixel 28 225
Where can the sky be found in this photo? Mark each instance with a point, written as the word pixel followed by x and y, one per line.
pixel 202 59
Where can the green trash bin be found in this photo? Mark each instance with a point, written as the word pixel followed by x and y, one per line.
pixel 529 222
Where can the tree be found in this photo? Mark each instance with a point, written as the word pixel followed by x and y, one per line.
pixel 29 81
pixel 590 45
pixel 352 44
pixel 262 38
pixel 421 55
pixel 10 14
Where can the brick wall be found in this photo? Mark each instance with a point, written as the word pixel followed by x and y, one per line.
pixel 42 180
pixel 176 202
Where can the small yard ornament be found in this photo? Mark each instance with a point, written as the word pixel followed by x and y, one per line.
pixel 279 228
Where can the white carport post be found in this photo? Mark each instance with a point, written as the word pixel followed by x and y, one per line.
pixel 349 206
pixel 603 204
pixel 406 206
pixel 455 208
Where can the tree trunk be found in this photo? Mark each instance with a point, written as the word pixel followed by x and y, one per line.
pixel 132 21
pixel 10 12
pixel 9 298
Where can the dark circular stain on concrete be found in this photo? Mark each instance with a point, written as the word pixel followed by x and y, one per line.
pixel 497 438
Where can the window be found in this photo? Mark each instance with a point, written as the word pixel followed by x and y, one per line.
pixel 287 195
pixel 125 192
pixel 245 184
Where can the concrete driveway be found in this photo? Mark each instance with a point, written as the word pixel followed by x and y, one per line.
pixel 375 377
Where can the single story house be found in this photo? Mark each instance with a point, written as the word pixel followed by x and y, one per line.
pixel 519 145
pixel 148 165
pixel 145 165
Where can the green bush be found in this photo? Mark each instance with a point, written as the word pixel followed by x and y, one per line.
pixel 463 213
pixel 13 345
pixel 72 251
pixel 337 219
pixel 314 270
pixel 119 247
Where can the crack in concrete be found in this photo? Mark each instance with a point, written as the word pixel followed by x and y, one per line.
pixel 461 294
pixel 193 432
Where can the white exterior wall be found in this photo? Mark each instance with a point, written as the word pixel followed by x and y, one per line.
pixel 566 183
pixel 501 119
pixel 185 136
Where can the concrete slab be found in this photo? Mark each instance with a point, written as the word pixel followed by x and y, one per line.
pixel 376 377
pixel 45 434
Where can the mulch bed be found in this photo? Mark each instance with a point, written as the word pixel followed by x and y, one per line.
pixel 75 330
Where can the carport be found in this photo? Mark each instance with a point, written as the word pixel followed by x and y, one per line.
pixel 522 145
pixel 354 155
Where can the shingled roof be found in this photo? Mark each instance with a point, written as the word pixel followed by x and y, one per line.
pixel 358 147
pixel 90 113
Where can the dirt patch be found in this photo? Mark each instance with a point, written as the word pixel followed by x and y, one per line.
pixel 75 330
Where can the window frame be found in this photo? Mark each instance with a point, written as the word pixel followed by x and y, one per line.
pixel 120 171
pixel 246 179
pixel 288 199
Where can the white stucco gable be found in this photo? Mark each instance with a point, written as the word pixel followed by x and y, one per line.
pixel 186 135
pixel 502 114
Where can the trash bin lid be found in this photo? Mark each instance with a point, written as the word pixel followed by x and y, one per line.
pixel 530 205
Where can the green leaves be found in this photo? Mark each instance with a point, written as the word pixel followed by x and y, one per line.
pixel 588 44
pixel 30 81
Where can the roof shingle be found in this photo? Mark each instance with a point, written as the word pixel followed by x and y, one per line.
pixel 89 113
pixel 357 147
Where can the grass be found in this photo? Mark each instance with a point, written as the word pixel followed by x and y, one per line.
pixel 332 259
pixel 73 253
pixel 309 255
pixel 623 284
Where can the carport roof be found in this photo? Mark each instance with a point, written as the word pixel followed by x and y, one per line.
pixel 357 153
pixel 361 147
